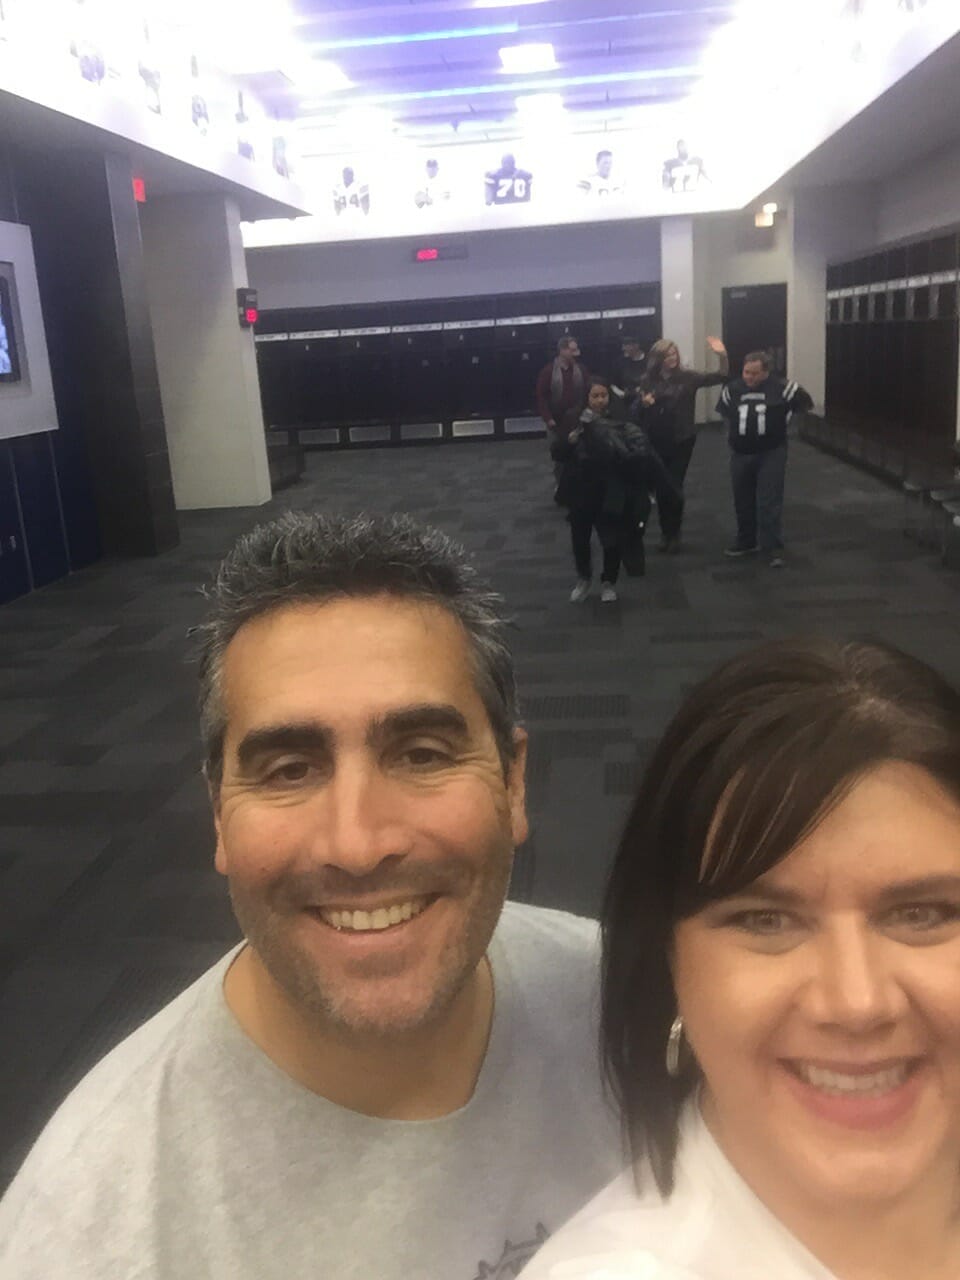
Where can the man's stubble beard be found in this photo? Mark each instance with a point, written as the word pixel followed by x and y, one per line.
pixel 336 1012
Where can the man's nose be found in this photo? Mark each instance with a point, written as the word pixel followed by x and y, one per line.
pixel 359 822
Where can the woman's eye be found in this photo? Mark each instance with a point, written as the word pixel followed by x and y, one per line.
pixel 924 916
pixel 764 922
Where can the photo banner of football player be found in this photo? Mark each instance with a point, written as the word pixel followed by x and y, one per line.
pixel 97 59
pixel 752 118
pixel 401 190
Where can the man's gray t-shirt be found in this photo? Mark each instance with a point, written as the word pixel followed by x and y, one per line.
pixel 187 1153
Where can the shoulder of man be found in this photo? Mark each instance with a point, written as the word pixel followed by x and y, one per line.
pixel 546 945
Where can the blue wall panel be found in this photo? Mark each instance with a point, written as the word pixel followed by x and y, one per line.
pixel 36 481
pixel 14 577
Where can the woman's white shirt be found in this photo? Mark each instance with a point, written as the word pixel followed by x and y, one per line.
pixel 713 1227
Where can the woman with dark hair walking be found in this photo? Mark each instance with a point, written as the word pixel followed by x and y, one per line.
pixel 668 408
pixel 605 483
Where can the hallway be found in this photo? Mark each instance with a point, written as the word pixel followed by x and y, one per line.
pixel 109 903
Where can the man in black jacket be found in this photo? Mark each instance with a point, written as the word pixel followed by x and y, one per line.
pixel 757 408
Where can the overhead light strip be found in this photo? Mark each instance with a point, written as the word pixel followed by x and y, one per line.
pixel 511 28
pixel 525 86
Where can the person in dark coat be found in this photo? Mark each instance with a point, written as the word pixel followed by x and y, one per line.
pixel 606 483
pixel 562 387
pixel 626 389
pixel 667 408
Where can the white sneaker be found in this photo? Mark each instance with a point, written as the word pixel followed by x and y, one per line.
pixel 580 591
pixel 609 593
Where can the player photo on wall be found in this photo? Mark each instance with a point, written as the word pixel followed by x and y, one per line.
pixel 351 198
pixel 604 181
pixel 683 171
pixel 509 184
pixel 434 189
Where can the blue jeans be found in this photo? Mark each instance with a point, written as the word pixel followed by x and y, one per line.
pixel 758 480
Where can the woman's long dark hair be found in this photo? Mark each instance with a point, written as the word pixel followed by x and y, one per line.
pixel 755 758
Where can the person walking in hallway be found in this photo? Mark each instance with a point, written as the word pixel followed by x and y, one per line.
pixel 624 393
pixel 757 408
pixel 562 387
pixel 667 407
pixel 607 479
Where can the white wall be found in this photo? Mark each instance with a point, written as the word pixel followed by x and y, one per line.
pixel 207 364
pixel 499 262
pixel 736 253
pixel 920 200
pixel 829 224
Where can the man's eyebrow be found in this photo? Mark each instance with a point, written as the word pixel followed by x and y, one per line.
pixel 421 718
pixel 282 737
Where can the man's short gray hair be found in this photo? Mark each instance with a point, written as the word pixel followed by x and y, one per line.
pixel 304 558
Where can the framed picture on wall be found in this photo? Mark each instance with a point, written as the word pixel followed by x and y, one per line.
pixel 9 351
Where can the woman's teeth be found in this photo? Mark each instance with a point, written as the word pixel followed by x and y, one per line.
pixel 873 1084
pixel 372 921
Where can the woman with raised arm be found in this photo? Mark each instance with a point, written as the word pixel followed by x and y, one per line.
pixel 781 1005
pixel 667 405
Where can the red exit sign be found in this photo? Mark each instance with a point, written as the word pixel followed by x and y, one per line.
pixel 440 253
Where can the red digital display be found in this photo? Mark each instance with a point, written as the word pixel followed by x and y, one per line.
pixel 139 191
pixel 428 255
pixel 253 315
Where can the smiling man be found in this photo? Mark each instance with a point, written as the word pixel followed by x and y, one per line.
pixel 395 1075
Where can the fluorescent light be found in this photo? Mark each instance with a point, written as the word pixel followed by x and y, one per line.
pixel 763 220
pixel 539 105
pixel 527 59
pixel 771 208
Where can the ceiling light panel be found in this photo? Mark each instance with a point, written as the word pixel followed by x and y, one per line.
pixel 528 59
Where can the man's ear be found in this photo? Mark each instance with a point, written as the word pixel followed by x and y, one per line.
pixel 517 788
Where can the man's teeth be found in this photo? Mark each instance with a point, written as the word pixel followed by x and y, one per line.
pixel 371 921
pixel 872 1085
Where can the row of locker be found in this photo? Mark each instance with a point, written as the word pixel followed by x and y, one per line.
pixel 941 253
pixel 443 360
pixel 304 384
pixel 917 302
pixel 899 374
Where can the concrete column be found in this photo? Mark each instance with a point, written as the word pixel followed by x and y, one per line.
pixel 207 363
pixel 683 273
pixel 827 226
pixel 679 285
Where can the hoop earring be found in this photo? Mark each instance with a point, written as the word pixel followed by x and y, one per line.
pixel 674 1041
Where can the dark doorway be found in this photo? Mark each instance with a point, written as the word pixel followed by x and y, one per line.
pixel 755 319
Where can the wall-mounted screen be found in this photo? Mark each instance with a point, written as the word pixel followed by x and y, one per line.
pixel 9 350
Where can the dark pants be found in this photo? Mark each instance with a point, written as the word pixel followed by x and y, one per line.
pixel 582 524
pixel 669 488
pixel 758 480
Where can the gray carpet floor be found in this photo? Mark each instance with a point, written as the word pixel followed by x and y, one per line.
pixel 109 903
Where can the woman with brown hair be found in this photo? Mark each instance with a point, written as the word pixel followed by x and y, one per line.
pixel 668 407
pixel 781 982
